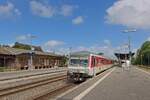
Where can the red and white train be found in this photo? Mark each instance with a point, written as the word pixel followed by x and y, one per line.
pixel 86 64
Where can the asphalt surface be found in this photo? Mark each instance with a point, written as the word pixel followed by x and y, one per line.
pixel 120 84
pixel 131 84
pixel 81 88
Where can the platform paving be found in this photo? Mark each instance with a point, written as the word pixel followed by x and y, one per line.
pixel 25 73
pixel 69 95
pixel 132 84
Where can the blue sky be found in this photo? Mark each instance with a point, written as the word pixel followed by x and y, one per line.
pixel 60 24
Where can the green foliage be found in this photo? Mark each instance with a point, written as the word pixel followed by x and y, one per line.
pixel 27 47
pixel 20 46
pixel 143 54
pixel 65 60
pixel 1 69
pixel 100 53
pixel 5 69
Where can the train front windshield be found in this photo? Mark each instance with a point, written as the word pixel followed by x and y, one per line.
pixel 79 62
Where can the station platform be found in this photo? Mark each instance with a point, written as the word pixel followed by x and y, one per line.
pixel 26 73
pixel 113 84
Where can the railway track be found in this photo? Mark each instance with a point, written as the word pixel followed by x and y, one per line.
pixel 53 94
pixel 34 90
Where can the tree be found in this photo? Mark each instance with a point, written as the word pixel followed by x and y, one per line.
pixel 143 54
pixel 100 53
pixel 27 47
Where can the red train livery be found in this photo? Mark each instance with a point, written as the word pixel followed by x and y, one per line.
pixel 86 64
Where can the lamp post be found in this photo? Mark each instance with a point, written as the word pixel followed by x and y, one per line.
pixel 141 59
pixel 125 47
pixel 70 49
pixel 31 37
pixel 129 41
pixel 119 52
pixel 148 59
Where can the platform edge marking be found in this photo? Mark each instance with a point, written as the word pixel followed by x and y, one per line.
pixel 84 93
pixel 70 90
pixel 143 71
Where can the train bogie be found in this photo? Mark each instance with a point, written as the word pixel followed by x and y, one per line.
pixel 76 77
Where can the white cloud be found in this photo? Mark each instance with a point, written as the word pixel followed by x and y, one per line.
pixel 81 48
pixel 11 44
pixel 78 20
pixel 59 48
pixel 53 43
pixel 17 12
pixel 21 38
pixel 107 42
pixel 41 9
pixel 25 37
pixel 55 46
pixel 44 9
pixel 107 50
pixel 130 13
pixel 8 10
pixel 148 39
pixel 67 10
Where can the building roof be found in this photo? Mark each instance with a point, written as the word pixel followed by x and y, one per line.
pixel 15 51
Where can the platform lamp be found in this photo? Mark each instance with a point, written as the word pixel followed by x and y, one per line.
pixel 118 50
pixel 129 41
pixel 31 37
pixel 70 50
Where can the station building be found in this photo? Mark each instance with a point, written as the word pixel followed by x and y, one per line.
pixel 21 59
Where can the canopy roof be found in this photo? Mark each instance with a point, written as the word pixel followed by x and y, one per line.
pixel 123 56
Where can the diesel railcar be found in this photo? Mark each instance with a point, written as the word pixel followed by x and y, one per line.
pixel 86 64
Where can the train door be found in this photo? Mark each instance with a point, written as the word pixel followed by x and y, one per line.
pixel 93 65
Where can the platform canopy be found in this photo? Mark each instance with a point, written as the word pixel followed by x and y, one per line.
pixel 123 56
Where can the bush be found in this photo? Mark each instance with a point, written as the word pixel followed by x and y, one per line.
pixel 5 69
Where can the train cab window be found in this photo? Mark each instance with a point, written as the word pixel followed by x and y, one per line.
pixel 84 62
pixel 79 62
pixel 74 61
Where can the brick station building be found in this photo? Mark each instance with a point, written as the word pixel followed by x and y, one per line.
pixel 20 59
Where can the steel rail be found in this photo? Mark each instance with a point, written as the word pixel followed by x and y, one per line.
pixel 20 88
